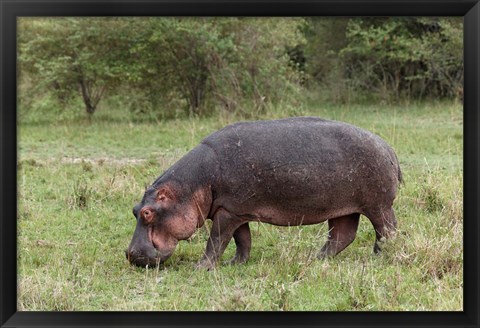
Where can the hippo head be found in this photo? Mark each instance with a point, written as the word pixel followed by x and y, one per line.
pixel 162 220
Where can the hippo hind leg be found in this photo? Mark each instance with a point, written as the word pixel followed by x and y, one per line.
pixel 342 232
pixel 385 224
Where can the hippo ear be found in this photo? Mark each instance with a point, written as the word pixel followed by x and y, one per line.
pixel 164 194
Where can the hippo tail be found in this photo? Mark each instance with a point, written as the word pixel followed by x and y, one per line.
pixel 400 176
pixel 399 171
pixel 396 165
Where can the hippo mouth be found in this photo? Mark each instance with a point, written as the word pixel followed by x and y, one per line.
pixel 150 256
pixel 147 248
pixel 153 255
pixel 142 260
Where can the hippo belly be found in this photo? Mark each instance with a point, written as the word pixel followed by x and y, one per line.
pixel 288 198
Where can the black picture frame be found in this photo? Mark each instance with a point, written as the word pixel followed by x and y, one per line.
pixel 10 10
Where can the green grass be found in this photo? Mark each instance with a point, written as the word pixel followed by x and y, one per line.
pixel 79 180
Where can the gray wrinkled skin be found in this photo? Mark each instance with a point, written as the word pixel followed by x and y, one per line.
pixel 285 172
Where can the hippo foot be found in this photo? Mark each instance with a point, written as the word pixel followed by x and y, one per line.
pixel 381 242
pixel 205 264
pixel 376 248
pixel 324 255
pixel 237 260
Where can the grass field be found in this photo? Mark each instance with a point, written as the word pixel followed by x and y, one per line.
pixel 78 181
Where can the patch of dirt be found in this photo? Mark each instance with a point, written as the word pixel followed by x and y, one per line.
pixel 85 160
pixel 101 160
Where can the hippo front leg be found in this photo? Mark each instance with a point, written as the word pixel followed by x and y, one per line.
pixel 243 241
pixel 223 228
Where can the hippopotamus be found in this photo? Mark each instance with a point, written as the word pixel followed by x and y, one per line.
pixel 286 172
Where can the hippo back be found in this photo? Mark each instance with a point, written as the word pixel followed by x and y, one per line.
pixel 297 162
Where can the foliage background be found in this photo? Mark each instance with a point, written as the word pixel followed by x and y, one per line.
pixel 171 67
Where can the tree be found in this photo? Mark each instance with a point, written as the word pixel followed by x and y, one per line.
pixel 385 56
pixel 226 62
pixel 82 55
pixel 325 38
pixel 239 64
pixel 416 56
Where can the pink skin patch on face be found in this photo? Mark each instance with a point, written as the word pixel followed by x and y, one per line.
pixel 163 243
pixel 150 236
